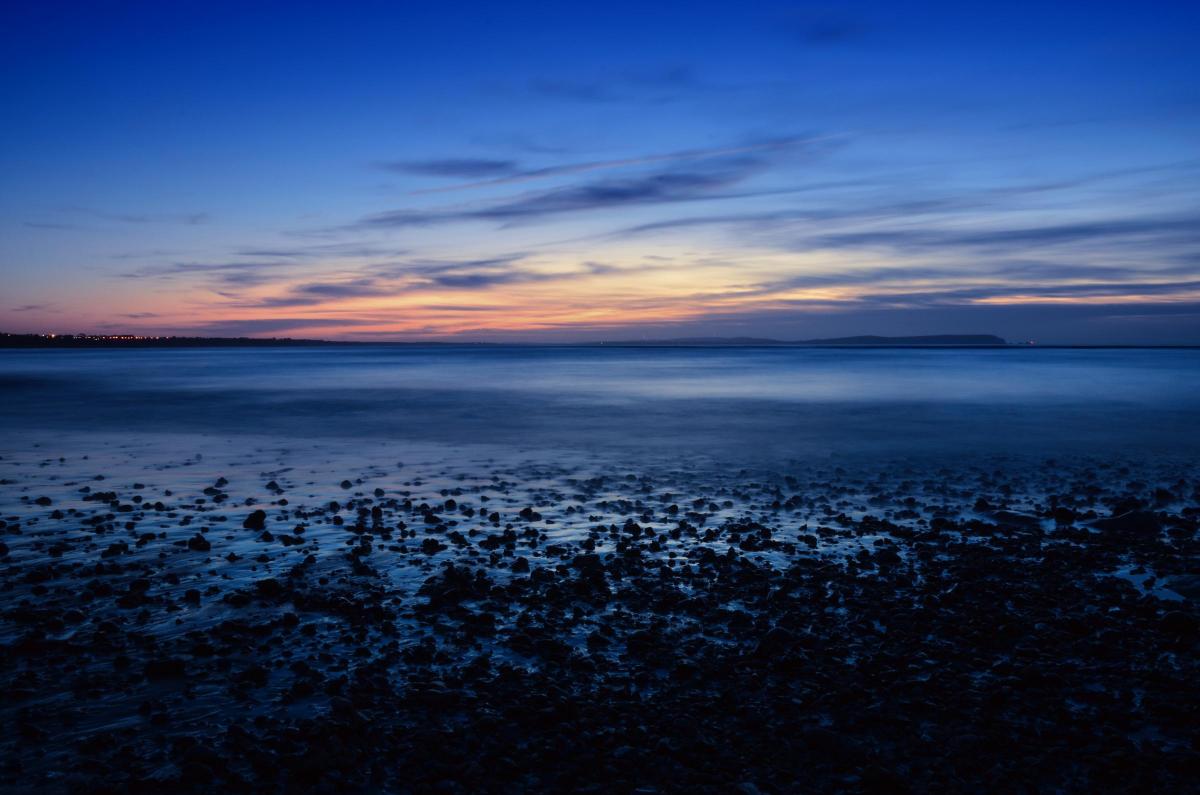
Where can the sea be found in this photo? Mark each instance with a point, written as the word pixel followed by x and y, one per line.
pixel 718 407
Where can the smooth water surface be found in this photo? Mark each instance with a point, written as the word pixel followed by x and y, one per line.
pixel 727 404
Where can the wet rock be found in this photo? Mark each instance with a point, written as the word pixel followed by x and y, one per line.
pixel 431 546
pixel 199 543
pixel 165 668
pixel 1138 522
pixel 269 588
pixel 1180 624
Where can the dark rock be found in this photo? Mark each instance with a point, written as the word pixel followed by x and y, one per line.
pixel 1179 624
pixel 1138 522
pixel 165 668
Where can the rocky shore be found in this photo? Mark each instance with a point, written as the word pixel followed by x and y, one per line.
pixel 986 626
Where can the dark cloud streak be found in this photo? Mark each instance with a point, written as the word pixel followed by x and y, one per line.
pixel 663 187
pixel 462 168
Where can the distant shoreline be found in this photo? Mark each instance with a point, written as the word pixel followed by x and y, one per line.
pixel 942 342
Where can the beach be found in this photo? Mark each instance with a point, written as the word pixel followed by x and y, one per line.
pixel 401 569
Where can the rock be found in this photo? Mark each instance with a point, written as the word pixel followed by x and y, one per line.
pixel 431 546
pixel 165 668
pixel 269 588
pixel 255 521
pixel 1139 522
pixel 199 543
pixel 195 774
pixel 1179 624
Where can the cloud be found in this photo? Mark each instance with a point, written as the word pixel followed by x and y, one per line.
pixel 433 271
pixel 463 167
pixel 1018 293
pixel 463 308
pixel 399 278
pixel 396 278
pixel 850 207
pixel 322 292
pixel 347 289
pixel 824 27
pixel 274 253
pixel 509 171
pixel 233 274
pixel 187 219
pixel 254 326
pixel 49 226
pixel 1185 229
pixel 31 308
pixel 349 250
pixel 663 187
pixel 481 274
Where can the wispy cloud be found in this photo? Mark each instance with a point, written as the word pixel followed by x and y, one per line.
pixel 256 326
pixel 664 187
pixel 396 279
pixel 1181 228
pixel 1025 294
pixel 188 219
pixel 824 27
pixel 323 292
pixel 460 168
pixel 241 274
pixel 504 172
pixel 49 225
pixel 339 250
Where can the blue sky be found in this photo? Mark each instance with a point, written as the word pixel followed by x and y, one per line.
pixel 609 171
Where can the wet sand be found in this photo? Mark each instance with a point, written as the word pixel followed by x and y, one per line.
pixel 199 613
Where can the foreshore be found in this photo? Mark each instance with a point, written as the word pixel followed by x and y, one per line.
pixel 305 621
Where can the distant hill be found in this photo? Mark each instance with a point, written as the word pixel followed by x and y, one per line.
pixel 866 340
pixel 928 339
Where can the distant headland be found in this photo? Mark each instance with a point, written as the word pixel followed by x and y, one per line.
pixel 866 340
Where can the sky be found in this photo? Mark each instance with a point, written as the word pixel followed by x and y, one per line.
pixel 602 171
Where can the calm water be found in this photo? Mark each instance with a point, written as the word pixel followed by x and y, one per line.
pixel 729 405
